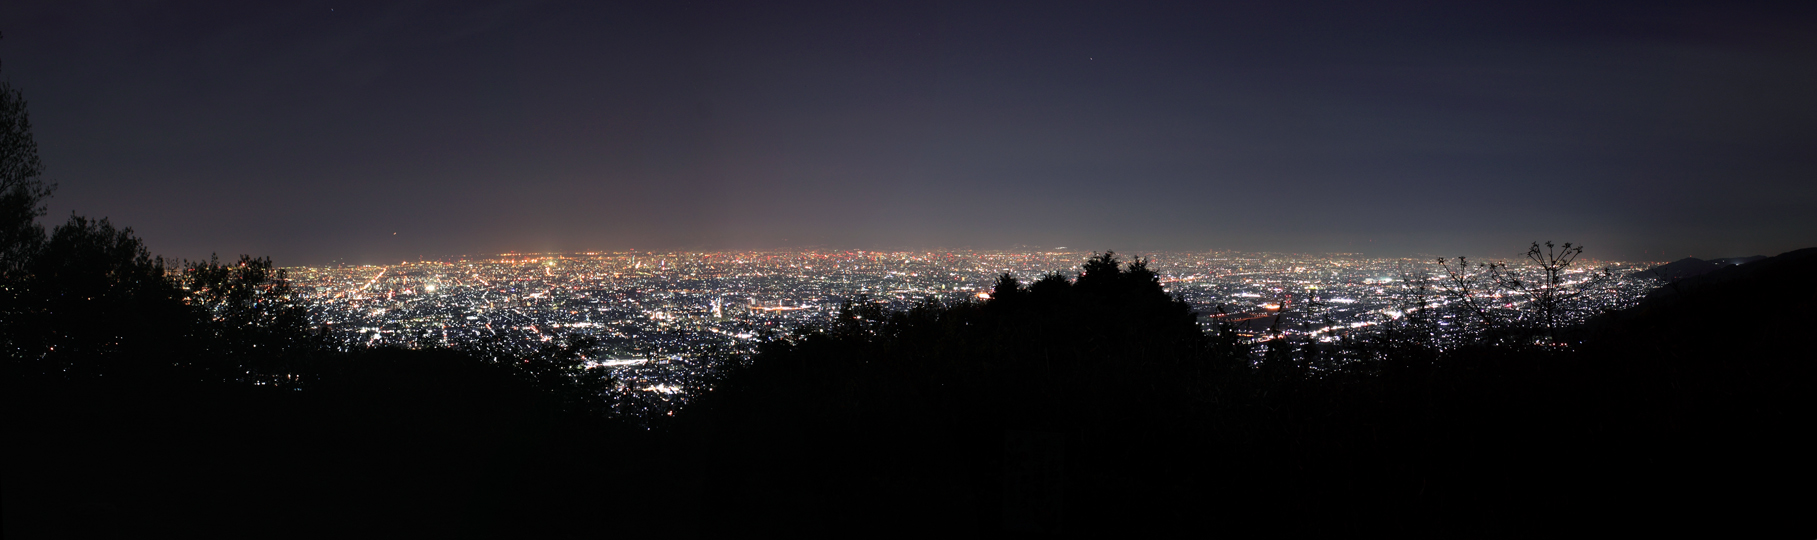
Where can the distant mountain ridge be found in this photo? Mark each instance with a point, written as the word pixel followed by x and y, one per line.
pixel 1689 267
pixel 1732 261
pixel 1785 271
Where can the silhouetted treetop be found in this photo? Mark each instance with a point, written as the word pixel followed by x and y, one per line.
pixel 22 190
pixel 247 309
pixel 91 297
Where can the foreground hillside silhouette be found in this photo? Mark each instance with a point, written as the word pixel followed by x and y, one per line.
pixel 152 397
pixel 1060 406
pixel 1095 407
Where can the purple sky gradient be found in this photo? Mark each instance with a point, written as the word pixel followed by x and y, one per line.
pixel 314 131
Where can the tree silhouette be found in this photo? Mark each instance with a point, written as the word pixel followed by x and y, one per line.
pixel 88 299
pixel 1499 303
pixel 248 319
pixel 22 188
pixel 1086 365
pixel 93 299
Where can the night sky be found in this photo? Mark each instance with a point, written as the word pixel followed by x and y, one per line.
pixel 319 132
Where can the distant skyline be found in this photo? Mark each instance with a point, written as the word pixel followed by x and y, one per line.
pixel 377 132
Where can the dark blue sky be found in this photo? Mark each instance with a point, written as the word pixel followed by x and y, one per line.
pixel 313 131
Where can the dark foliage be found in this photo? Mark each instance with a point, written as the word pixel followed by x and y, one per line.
pixel 145 398
pixel 557 368
pixel 91 302
pixel 198 401
pixel 22 188
pixel 880 416
pixel 249 305
pixel 1094 406
pixel 384 443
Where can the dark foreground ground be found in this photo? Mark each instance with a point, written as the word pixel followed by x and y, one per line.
pixel 1673 419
